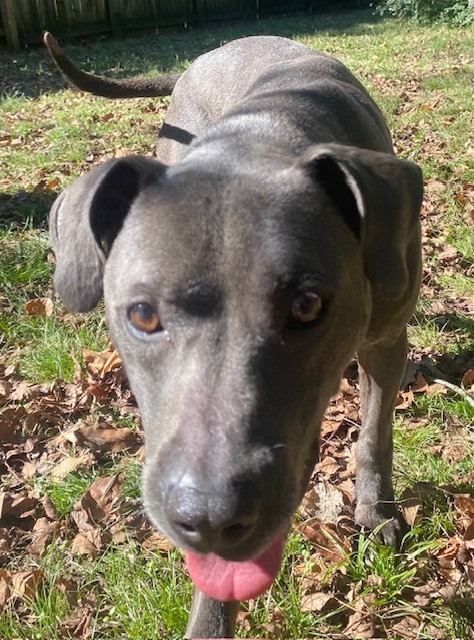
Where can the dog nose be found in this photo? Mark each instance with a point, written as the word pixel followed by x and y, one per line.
pixel 209 521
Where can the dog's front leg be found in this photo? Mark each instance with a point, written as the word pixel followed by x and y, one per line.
pixel 381 369
pixel 211 618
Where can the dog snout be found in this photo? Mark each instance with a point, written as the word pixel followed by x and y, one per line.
pixel 206 520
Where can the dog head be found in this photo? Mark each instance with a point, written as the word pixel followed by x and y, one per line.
pixel 236 292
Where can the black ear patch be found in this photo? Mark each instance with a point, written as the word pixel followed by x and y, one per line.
pixel 111 203
pixel 326 170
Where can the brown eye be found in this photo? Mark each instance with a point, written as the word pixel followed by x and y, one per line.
pixel 144 318
pixel 305 307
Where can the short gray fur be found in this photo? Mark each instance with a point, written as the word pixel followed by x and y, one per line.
pixel 275 176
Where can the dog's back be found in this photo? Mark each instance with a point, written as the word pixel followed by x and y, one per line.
pixel 302 90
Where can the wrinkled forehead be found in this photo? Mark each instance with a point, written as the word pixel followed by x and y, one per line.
pixel 247 237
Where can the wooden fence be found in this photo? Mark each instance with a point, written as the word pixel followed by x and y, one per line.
pixel 22 21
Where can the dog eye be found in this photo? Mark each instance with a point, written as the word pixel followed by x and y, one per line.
pixel 305 307
pixel 144 318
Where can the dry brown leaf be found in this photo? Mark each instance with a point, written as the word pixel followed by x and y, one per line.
pixel 80 623
pixel 469 537
pixel 98 364
pixel 28 470
pixel 325 539
pixel 467 380
pixel 69 465
pixel 5 589
pixel 347 488
pixel 411 509
pixel 361 625
pixel 434 185
pixel 43 307
pixel 48 507
pixel 328 466
pixel 121 152
pixel 52 184
pixel 96 504
pixel 43 532
pixel 5 389
pixel 108 438
pixel 330 502
pixel 69 588
pixel 409 627
pixel 420 385
pixel 21 391
pixel 318 602
pixel 25 584
pixel 404 400
pixel 4 546
pixel 13 505
pixel 89 543
pixel 436 389
pixel 157 542
pixel 447 554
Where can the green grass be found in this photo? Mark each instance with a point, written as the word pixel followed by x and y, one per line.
pixel 420 77
pixel 135 595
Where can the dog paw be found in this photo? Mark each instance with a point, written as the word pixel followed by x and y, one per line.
pixel 387 523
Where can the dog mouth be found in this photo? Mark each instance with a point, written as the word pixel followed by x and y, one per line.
pixel 227 580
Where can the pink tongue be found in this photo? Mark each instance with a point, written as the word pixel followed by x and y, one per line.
pixel 226 580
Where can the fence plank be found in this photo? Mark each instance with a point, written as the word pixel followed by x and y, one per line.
pixel 24 20
pixel 9 23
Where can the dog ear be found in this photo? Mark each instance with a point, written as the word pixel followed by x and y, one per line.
pixel 379 198
pixel 85 220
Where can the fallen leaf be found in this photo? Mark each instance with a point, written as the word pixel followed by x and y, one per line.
pixel 404 400
pixel 361 625
pixel 5 588
pixel 436 389
pixel 330 502
pixel 42 307
pixel 464 504
pixel 89 543
pixel 52 184
pixel 14 505
pixel 411 507
pixel 328 466
pixel 434 185
pixel 318 602
pixel 43 531
pixel 420 385
pixel 71 464
pixel 25 584
pixel 80 623
pixel 158 543
pixel 467 380
pixel 325 539
pixel 469 536
pixel 4 546
pixel 96 504
pixel 5 388
pixel 108 438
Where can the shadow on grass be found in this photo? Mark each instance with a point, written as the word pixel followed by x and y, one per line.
pixel 25 208
pixel 31 73
pixel 450 366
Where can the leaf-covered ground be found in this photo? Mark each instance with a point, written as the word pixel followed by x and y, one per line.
pixel 78 558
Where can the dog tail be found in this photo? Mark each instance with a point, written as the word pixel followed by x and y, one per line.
pixel 108 87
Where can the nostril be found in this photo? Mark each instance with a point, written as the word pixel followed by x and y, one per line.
pixel 187 528
pixel 205 521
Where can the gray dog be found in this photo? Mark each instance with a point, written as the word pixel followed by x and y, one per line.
pixel 275 235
